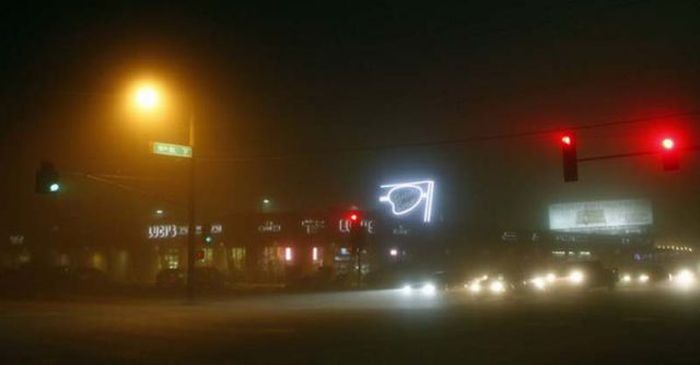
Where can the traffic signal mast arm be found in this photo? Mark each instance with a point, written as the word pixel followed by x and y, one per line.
pixel 669 151
pixel 634 154
pixel 618 155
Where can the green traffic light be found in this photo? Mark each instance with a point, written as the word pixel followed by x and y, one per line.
pixel 54 187
pixel 208 239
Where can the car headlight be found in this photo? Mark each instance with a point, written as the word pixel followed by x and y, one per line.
pixel 406 288
pixel 497 287
pixel 539 283
pixel 474 287
pixel 576 277
pixel 626 278
pixel 643 278
pixel 551 277
pixel 428 288
pixel 684 278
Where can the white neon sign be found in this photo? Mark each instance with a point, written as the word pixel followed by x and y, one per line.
pixel 406 197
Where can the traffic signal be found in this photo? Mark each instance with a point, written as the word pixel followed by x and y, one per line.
pixel 569 157
pixel 670 158
pixel 207 237
pixel 47 179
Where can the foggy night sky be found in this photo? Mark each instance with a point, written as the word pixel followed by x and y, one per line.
pixel 318 77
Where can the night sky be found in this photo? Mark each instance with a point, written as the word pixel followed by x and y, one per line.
pixel 309 104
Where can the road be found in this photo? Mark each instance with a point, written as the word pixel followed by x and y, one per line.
pixel 621 327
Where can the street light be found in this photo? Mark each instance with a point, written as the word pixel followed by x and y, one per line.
pixel 147 97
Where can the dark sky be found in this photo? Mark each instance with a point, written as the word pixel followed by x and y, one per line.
pixel 313 79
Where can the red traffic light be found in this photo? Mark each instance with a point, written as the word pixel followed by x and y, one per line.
pixel 668 143
pixel 569 157
pixel 670 156
pixel 354 217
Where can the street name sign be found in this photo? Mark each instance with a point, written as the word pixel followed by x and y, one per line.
pixel 169 149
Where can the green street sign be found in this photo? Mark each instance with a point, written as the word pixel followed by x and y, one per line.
pixel 169 149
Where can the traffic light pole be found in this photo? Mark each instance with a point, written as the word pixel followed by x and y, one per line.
pixel 359 268
pixel 191 218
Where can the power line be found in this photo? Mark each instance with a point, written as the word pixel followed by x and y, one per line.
pixel 127 188
pixel 449 142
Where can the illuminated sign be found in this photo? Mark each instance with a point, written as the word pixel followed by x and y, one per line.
pixel 606 216
pixel 270 227
pixel 169 149
pixel 400 231
pixel 344 225
pixel 407 197
pixel 16 239
pixel 161 231
pixel 164 231
pixel 313 225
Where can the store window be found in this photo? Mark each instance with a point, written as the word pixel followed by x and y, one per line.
pixel 317 256
pixel 272 263
pixel 208 255
pixel 172 258
pixel 238 258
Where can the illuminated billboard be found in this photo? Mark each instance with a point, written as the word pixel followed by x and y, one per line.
pixel 604 216
pixel 409 198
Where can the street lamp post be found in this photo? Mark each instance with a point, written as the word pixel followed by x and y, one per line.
pixel 148 98
pixel 191 217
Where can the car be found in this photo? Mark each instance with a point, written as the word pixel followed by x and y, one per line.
pixel 170 278
pixel 206 278
pixel 589 275
pixel 88 278
pixel 427 284
pixel 209 278
pixel 494 284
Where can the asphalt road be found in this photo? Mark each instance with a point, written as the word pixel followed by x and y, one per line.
pixel 620 327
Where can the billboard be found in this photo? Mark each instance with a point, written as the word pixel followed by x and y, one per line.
pixel 603 216
pixel 408 198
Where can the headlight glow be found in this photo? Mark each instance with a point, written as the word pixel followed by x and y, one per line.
pixel 539 283
pixel 428 289
pixel 576 277
pixel 497 287
pixel 475 287
pixel 626 278
pixel 551 277
pixel 643 278
pixel 406 288
pixel 684 278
